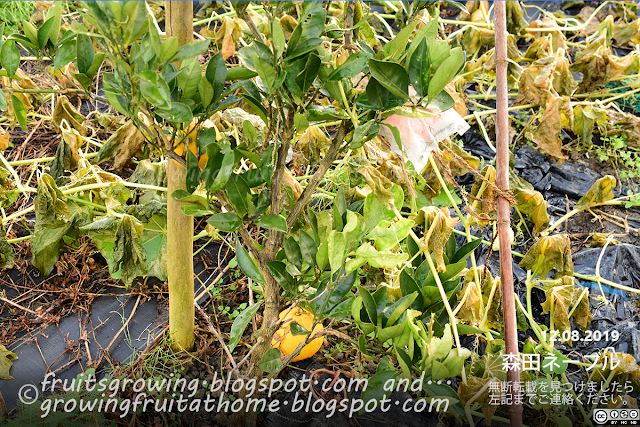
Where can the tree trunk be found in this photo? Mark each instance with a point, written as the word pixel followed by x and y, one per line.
pixel 179 18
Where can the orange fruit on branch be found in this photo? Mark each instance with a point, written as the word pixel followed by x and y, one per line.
pixel 284 339
pixel 190 135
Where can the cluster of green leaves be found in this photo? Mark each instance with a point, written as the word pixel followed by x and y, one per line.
pixel 144 77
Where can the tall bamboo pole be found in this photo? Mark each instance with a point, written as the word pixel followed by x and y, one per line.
pixel 179 18
pixel 504 209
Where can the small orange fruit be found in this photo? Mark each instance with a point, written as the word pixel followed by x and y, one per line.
pixel 284 340
pixel 191 137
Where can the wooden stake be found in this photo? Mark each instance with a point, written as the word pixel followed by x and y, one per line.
pixel 179 226
pixel 504 210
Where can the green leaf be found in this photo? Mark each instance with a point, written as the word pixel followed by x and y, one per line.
pixel 169 49
pixel 305 78
pixel 301 123
pixel 206 92
pixel 240 324
pixel 178 113
pixel 65 54
pixel 394 312
pixel 240 73
pixel 193 209
pixel 19 111
pixel 239 192
pixel 272 222
pixel 250 131
pixel 298 329
pixel 420 69
pixel 409 286
pixel 216 74
pixel 45 31
pixel 193 172
pixel 266 72
pixel 468 330
pixel 369 304
pixel 465 250
pixel 377 259
pixel 226 221
pixel 155 89
pixel 308 248
pixel 392 76
pixel 85 53
pixel 337 246
pixel 10 57
pixel 292 251
pixel 279 40
pixel 397 45
pixel 311 25
pixel 189 78
pixel 387 236
pixel 191 50
pixel 446 72
pixel 271 361
pixel 354 65
pixel 247 265
pixel 225 171
pixel 375 386
pixel 364 133
pixel 439 371
pixel 278 270
pixel 303 48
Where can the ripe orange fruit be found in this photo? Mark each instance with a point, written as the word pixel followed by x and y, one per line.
pixel 284 340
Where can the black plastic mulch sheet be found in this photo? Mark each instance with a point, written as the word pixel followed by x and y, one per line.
pixel 619 263
pixel 61 348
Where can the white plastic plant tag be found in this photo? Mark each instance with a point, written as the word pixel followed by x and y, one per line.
pixel 420 135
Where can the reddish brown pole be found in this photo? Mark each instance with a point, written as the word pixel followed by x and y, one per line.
pixel 504 211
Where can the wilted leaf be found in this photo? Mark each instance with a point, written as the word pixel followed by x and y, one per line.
pixel 121 146
pixel 585 118
pixel 471 311
pixel 532 204
pixel 624 32
pixel 53 221
pixel 621 362
pixel 549 253
pixel 6 358
pixel 601 239
pixel 313 144
pixel 129 255
pixel 487 207
pixel 7 257
pixel 4 139
pixel 442 224
pixel 65 111
pixel 472 387
pixel 546 78
pixel 560 297
pixel 593 63
pixel 624 125
pixel 557 37
pixel 547 134
pixel 620 67
pixel 380 185
pixel 601 191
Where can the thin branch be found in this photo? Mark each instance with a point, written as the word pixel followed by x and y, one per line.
pixel 319 174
